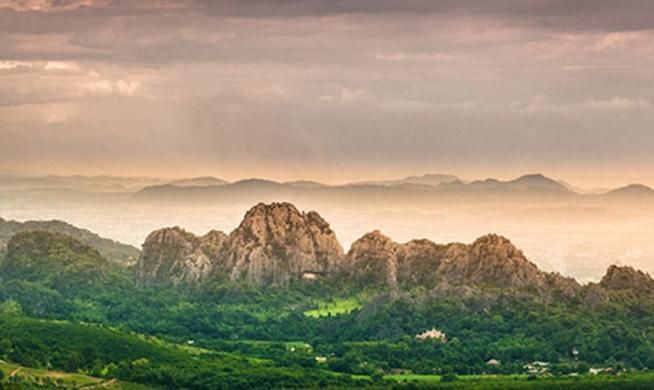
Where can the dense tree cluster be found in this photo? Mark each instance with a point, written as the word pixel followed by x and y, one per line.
pixel 261 338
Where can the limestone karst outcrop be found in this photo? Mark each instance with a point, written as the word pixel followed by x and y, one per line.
pixel 276 244
pixel 376 258
pixel 273 245
pixel 494 260
pixel 491 260
pixel 626 278
pixel 173 255
pixel 373 259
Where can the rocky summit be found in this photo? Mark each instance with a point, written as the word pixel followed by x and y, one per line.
pixel 627 278
pixel 276 244
pixel 273 245
pixel 491 260
pixel 376 258
pixel 177 256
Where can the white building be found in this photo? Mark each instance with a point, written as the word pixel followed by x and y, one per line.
pixel 433 333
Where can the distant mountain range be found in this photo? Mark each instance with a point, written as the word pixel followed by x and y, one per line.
pixel 631 191
pixel 12 182
pixel 424 187
pixel 198 182
pixel 430 179
pixel 412 188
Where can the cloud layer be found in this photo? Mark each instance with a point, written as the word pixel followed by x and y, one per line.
pixel 322 88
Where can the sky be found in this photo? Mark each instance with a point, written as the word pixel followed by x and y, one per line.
pixel 332 90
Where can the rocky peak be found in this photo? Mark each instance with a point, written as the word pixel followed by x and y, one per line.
pixel 418 263
pixel 373 259
pixel 491 259
pixel 177 256
pixel 626 278
pixel 275 243
pixel 376 258
pixel 212 243
pixel 371 243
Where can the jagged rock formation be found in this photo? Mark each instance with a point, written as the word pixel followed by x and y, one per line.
pixel 376 258
pixel 494 260
pixel 277 243
pixel 626 278
pixel 175 255
pixel 491 260
pixel 273 245
pixel 373 259
pixel 417 260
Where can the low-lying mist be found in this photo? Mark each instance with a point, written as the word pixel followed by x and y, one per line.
pixel 576 236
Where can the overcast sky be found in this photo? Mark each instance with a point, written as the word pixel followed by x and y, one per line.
pixel 333 90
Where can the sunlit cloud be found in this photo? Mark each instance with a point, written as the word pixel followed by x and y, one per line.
pixel 7 65
pixel 332 83
pixel 60 65
pixel 347 95
pixel 400 56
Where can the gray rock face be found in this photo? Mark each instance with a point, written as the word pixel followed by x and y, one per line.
pixel 273 245
pixel 491 260
pixel 626 278
pixel 276 243
pixel 173 255
pixel 375 258
pixel 416 261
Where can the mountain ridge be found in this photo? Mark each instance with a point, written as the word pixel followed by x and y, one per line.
pixel 276 245
pixel 110 249
pixel 528 188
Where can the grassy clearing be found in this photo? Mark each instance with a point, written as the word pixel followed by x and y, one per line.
pixel 336 307
pixel 437 378
pixel 412 377
pixel 61 379
pixel 39 376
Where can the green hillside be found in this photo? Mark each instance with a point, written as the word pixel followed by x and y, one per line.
pixel 64 308
pixel 110 249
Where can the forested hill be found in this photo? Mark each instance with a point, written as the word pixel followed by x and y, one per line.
pixel 110 249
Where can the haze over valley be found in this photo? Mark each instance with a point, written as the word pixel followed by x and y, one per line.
pixel 560 227
pixel 304 194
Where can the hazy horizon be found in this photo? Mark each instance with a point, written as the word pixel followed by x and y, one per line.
pixel 338 92
pixel 579 182
pixel 329 91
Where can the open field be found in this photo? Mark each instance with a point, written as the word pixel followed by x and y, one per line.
pixel 338 306
pixel 33 376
